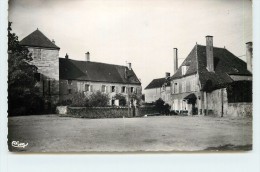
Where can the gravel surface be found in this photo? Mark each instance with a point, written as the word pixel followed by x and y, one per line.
pixel 51 133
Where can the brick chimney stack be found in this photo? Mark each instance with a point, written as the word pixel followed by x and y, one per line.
pixel 209 53
pixel 167 74
pixel 130 66
pixel 175 60
pixel 66 56
pixel 87 55
pixel 249 55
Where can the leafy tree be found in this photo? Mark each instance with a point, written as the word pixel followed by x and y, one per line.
pixel 159 105
pixel 98 99
pixel 21 82
pixel 162 107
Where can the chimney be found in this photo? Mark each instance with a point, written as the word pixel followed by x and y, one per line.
pixel 175 60
pixel 167 74
pixel 129 66
pixel 53 41
pixel 249 55
pixel 209 53
pixel 66 56
pixel 87 56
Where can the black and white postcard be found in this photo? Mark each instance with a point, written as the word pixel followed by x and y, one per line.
pixel 130 76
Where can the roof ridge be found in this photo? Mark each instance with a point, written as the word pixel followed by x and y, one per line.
pixel 213 46
pixel 94 62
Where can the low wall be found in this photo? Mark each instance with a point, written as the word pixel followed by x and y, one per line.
pixel 104 112
pixel 62 110
pixel 96 112
pixel 239 110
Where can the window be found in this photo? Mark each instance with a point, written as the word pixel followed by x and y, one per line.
pixel 37 53
pixel 112 102
pixel 69 82
pixel 184 86
pixel 192 85
pixel 123 89
pixel 113 89
pixel 69 91
pixel 103 88
pixel 184 69
pixel 132 89
pixel 176 87
pixel 163 87
pixel 87 87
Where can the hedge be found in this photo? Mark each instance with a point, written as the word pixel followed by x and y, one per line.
pixel 108 112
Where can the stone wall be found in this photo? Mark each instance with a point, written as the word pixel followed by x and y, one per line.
pixel 47 62
pixel 215 102
pixel 105 112
pixel 239 109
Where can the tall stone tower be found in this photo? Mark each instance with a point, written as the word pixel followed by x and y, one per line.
pixel 45 56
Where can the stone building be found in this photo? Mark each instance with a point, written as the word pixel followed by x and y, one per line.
pixel 212 80
pixel 58 78
pixel 158 88
pixel 46 57
pixel 88 77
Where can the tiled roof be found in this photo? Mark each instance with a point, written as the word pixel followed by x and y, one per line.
pixel 157 83
pixel 97 72
pixel 225 64
pixel 38 39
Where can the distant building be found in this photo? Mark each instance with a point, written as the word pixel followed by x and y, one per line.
pixel 89 77
pixel 58 78
pixel 158 88
pixel 212 80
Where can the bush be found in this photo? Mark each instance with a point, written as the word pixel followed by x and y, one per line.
pixel 98 99
pixel 65 102
pixel 29 104
pixel 79 100
pixel 121 98
pixel 161 107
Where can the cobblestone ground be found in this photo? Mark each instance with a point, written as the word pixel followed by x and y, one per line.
pixel 51 133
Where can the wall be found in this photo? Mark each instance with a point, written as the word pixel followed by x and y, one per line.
pixel 215 102
pixel 151 95
pixel 104 112
pixel 239 109
pixel 79 86
pixel 47 62
pixel 177 98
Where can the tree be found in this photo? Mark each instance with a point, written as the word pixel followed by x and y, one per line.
pixel 21 82
pixel 159 105
pixel 98 99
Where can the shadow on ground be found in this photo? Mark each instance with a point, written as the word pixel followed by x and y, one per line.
pixel 231 147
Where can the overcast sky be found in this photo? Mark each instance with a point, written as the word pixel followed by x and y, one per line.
pixel 143 32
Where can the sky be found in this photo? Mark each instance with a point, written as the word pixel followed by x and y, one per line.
pixel 143 32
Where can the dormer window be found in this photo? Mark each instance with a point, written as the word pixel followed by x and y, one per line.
pixel 184 69
pixel 69 82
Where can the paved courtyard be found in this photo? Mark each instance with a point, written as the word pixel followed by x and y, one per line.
pixel 51 133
